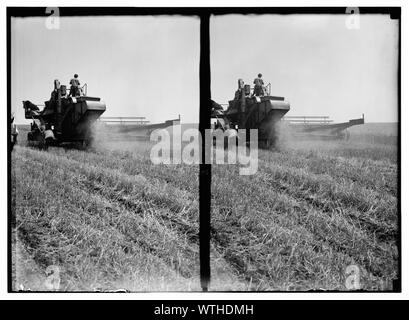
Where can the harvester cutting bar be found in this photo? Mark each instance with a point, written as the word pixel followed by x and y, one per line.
pixel 336 126
pixel 121 121
pixel 125 120
pixel 307 119
pixel 107 118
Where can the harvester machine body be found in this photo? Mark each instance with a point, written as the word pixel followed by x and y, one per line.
pixel 248 111
pixel 63 119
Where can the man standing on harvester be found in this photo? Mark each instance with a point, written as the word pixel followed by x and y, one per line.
pixel 259 86
pixel 75 86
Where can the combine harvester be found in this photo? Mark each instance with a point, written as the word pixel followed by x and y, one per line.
pixel 249 111
pixel 267 113
pixel 319 127
pixel 67 119
pixel 64 119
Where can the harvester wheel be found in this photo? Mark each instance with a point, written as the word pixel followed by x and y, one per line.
pixel 88 142
pixel 84 144
pixel 44 144
pixel 265 143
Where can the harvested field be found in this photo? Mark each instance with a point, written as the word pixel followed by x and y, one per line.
pixel 110 219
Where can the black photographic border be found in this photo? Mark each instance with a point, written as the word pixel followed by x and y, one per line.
pixel 204 13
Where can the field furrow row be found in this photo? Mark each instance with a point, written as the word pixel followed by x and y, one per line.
pixel 182 177
pixel 143 229
pixel 364 173
pixel 267 206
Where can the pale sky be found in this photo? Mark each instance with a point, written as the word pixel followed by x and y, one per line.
pixel 314 61
pixel 149 66
pixel 140 66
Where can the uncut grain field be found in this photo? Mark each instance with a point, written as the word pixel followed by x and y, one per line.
pixel 111 220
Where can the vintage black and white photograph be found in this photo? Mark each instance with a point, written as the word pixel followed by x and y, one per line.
pixel 204 150
pixel 319 208
pixel 91 212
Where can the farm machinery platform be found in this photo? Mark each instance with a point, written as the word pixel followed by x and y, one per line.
pixel 251 110
pixel 64 118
